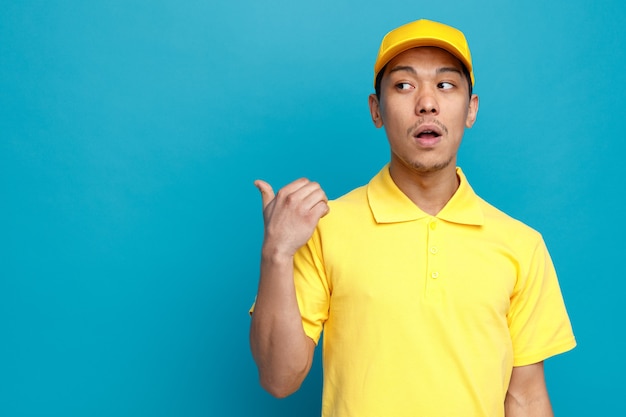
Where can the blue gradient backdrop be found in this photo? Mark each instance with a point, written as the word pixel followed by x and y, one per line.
pixel 131 132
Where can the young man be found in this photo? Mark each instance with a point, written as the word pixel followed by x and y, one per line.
pixel 433 302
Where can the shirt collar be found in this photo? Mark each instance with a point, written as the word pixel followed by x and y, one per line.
pixel 390 205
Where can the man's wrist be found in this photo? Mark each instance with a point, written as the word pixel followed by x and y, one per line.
pixel 276 255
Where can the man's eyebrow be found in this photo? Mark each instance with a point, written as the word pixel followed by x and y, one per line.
pixel 449 69
pixel 402 68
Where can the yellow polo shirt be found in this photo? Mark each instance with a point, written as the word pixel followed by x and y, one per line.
pixel 426 315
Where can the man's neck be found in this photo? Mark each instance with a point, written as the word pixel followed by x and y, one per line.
pixel 430 191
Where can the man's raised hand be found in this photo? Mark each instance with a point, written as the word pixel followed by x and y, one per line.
pixel 290 215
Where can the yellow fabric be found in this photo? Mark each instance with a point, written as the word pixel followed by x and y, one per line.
pixel 426 315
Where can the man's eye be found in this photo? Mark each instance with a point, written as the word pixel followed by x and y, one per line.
pixel 445 85
pixel 404 86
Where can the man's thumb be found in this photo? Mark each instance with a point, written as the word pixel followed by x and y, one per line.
pixel 267 193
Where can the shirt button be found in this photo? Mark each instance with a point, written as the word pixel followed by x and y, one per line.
pixel 435 275
pixel 434 250
pixel 433 225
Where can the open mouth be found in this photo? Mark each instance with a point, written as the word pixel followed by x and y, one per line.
pixel 428 134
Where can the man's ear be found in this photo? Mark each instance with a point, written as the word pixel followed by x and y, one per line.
pixel 375 110
pixel 472 112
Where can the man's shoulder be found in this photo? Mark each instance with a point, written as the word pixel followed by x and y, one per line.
pixel 497 219
pixel 353 200
pixel 355 196
pixel 347 208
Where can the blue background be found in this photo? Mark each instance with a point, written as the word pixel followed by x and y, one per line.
pixel 131 133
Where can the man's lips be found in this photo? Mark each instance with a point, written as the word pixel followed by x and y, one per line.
pixel 428 135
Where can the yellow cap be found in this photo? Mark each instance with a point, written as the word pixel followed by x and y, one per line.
pixel 423 33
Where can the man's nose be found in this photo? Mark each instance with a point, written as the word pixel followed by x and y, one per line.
pixel 426 103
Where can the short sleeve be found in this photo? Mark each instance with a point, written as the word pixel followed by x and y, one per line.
pixel 312 287
pixel 537 319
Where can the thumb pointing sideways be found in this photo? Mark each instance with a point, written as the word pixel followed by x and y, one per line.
pixel 267 193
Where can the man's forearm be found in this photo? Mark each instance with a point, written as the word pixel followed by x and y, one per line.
pixel 281 349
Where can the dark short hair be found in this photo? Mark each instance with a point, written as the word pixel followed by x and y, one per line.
pixel 379 78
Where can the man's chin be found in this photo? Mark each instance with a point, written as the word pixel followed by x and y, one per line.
pixel 429 168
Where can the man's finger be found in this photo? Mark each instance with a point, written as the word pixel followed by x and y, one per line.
pixel 321 209
pixel 267 192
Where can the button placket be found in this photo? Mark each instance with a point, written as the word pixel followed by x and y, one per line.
pixel 434 276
